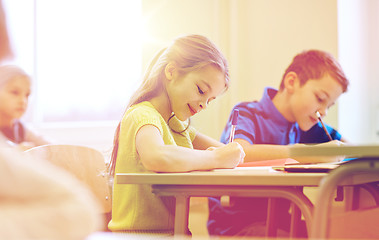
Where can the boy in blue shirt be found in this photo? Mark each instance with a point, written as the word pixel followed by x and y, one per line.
pixel 268 128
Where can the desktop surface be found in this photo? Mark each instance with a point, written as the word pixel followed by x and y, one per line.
pixel 242 176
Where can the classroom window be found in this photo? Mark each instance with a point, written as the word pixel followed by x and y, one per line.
pixel 84 56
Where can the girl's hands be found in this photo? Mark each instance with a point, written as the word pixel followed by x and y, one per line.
pixel 229 155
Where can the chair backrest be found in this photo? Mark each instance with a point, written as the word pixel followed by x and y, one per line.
pixel 85 163
pixel 360 173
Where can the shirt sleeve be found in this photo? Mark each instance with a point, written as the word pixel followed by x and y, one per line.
pixel 245 128
pixel 140 117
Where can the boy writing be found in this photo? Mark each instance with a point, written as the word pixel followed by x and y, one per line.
pixel 312 83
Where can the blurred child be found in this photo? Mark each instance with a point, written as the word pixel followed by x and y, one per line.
pixel 155 136
pixel 15 88
pixel 38 200
pixel 268 129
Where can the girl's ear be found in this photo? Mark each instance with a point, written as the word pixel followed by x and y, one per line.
pixel 170 70
pixel 291 82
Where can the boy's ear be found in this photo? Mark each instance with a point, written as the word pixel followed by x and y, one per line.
pixel 291 81
pixel 170 70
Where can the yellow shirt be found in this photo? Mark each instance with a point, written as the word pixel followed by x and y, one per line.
pixel 135 207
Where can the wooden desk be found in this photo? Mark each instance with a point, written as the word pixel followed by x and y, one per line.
pixel 240 182
pixel 249 182
pixel 343 150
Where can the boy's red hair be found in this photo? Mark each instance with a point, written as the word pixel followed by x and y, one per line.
pixel 313 64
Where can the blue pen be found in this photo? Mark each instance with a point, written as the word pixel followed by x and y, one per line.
pixel 234 123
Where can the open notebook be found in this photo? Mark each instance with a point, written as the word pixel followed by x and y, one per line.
pixel 319 167
pixel 269 163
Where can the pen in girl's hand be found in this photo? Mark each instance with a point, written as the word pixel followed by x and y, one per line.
pixel 234 123
pixel 323 126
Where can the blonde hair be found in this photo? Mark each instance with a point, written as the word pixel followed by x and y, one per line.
pixel 8 72
pixel 189 53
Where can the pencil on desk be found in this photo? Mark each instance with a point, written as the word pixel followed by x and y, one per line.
pixel 323 126
pixel 234 123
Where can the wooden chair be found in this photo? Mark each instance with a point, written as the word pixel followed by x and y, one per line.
pixel 86 164
pixel 355 222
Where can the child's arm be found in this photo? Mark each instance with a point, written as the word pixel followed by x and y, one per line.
pixel 158 157
pixel 258 152
pixel 203 142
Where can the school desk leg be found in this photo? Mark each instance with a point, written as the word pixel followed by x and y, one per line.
pixel 181 215
pixel 271 222
pixel 295 220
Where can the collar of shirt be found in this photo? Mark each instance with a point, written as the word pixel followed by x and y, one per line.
pixel 277 118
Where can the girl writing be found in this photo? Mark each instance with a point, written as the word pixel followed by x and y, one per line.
pixel 154 133
pixel 15 89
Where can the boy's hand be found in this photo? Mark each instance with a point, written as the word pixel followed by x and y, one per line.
pixel 321 159
pixel 332 143
pixel 333 158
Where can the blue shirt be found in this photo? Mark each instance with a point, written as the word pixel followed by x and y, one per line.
pixel 262 123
